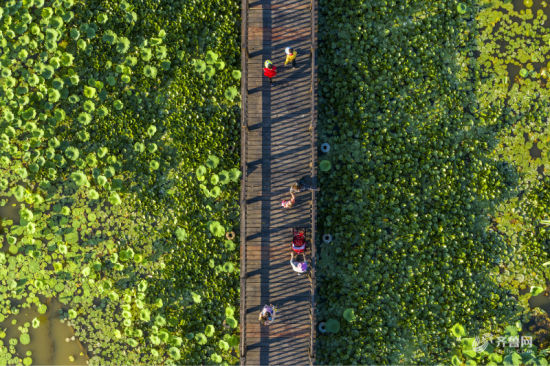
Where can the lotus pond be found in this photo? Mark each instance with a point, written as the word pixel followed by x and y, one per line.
pixel 119 179
pixel 435 187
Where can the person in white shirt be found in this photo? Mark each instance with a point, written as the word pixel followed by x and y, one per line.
pixel 297 265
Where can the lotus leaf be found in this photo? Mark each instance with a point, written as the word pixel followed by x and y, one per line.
pixel 349 315
pixel 201 338
pixel 24 339
pixel 80 179
pixel 174 353
pixel 160 321
pixel 216 228
pixel 114 199
pixel 332 326
pixel 181 234
pixel 150 71
pixel 232 322
pixel 154 165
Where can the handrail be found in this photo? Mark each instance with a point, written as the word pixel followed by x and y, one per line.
pixel 244 138
pixel 314 176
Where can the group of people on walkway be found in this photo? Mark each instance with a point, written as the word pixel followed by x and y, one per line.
pixel 270 70
pixel 297 254
pixel 298 260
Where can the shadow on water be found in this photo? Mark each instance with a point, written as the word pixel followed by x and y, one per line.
pixel 52 343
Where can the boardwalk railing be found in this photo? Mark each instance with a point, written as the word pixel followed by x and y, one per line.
pixel 244 139
pixel 313 134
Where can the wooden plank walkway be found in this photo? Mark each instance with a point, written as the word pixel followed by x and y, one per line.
pixel 278 148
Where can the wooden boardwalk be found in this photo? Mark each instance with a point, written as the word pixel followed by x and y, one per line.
pixel 278 148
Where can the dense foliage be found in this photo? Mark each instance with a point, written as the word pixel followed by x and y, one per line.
pixel 118 152
pixel 429 191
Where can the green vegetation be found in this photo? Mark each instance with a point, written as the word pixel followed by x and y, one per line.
pixel 105 118
pixel 433 194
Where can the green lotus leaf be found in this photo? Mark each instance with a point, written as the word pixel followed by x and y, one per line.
pixel 201 338
pixel 216 228
pixel 19 193
pixel 24 339
pixel 230 93
pixel 228 267
pixel 25 214
pixel 201 172
pixel 72 153
pixel 154 165
pixel 234 174
pixel 536 290
pixel 109 37
pixel 349 315
pixel 160 321
pixel 150 71
pixel 145 315
pixel 209 332
pixel 211 57
pixel 325 165
pixel 174 353
pixel 122 45
pixel 458 330
pixel 102 152
pixel 332 326
pixel 151 130
pixel 181 234
pixel 199 65
pixel 89 92
pixel 114 199
pixel 196 297
pixel 80 179
pixel 232 322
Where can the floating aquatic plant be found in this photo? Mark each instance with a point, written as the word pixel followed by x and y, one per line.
pixel 216 228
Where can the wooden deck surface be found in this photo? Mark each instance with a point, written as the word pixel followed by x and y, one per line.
pixel 278 149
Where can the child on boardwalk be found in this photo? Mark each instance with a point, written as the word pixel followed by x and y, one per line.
pixel 291 56
pixel 299 266
pixel 270 70
pixel 289 203
pixel 267 315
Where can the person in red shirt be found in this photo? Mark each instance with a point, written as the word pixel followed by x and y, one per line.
pixel 270 70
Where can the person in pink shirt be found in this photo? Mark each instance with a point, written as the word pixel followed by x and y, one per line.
pixel 289 203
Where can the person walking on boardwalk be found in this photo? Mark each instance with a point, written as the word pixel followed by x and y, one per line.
pixel 299 266
pixel 291 56
pixel 267 315
pixel 289 203
pixel 270 70
pixel 299 187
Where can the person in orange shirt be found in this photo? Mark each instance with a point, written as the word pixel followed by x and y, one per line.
pixel 270 70
pixel 291 56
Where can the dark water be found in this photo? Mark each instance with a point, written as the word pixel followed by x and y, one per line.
pixel 51 343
